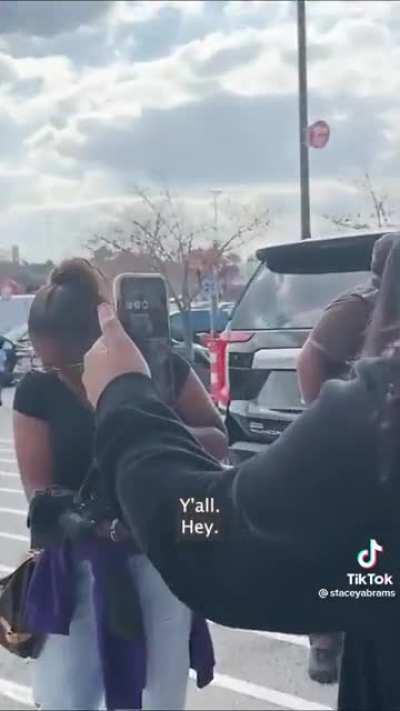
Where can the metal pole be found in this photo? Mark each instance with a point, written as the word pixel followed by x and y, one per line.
pixel 303 121
pixel 214 276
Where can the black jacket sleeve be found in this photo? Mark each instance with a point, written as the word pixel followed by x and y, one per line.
pixel 286 524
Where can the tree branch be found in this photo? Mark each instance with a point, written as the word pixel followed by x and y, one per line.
pixel 158 229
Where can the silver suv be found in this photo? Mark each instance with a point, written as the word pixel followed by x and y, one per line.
pixel 281 303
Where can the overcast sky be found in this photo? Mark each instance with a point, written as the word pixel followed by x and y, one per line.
pixel 97 96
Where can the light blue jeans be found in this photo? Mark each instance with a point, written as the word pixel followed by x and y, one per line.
pixel 67 675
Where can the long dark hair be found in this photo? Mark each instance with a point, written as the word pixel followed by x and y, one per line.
pixel 383 333
pixel 66 308
pixel 383 341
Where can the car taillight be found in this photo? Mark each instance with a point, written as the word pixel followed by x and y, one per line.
pixel 219 366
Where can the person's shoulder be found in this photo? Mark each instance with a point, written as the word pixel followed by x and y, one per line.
pixel 351 309
pixel 33 378
pixel 356 297
pixel 181 369
pixel 30 393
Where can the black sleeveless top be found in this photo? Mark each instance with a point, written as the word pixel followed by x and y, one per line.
pixel 71 423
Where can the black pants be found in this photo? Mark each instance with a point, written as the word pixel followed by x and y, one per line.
pixel 370 674
pixel 331 641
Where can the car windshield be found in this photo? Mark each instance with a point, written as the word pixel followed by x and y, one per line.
pixel 17 333
pixel 274 301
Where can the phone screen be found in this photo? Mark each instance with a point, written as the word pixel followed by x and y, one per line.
pixel 142 307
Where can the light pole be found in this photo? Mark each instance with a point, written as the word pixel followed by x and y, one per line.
pixel 303 121
pixel 214 276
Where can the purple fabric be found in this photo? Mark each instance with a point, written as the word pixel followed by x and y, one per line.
pixel 50 599
pixel 201 651
pixel 123 660
pixel 50 605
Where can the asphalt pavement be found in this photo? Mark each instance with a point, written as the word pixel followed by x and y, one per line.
pixel 255 670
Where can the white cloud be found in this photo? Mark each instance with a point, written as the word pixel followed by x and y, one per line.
pixel 192 93
pixel 333 10
pixel 129 12
pixel 49 17
pixel 245 10
pixel 8 72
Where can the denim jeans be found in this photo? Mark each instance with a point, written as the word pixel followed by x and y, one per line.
pixel 331 641
pixel 68 675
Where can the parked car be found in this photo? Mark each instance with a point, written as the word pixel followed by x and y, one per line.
pixel 227 306
pixel 22 357
pixel 11 359
pixel 200 322
pixel 14 311
pixel 257 380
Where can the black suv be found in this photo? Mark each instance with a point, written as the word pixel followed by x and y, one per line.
pixel 281 303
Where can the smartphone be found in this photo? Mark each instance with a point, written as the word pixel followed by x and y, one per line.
pixel 141 301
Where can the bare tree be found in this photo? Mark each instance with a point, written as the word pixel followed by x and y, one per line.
pixel 157 226
pixel 379 213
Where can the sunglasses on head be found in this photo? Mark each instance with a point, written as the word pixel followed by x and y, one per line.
pixel 77 367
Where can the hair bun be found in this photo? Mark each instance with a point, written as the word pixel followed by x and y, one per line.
pixel 78 274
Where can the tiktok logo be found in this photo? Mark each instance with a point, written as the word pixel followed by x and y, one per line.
pixel 368 557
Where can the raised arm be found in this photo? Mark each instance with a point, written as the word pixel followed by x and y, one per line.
pixel 276 539
pixel 34 456
pixel 279 541
pixel 199 414
pixel 334 341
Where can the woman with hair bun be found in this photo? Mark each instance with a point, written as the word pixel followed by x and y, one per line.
pixel 116 637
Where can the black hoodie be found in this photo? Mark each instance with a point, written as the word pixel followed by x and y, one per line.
pixel 291 521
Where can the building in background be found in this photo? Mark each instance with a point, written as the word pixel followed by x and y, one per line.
pixel 18 276
pixel 10 287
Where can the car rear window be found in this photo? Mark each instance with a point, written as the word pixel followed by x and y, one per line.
pixel 200 321
pixel 273 300
pixel 14 312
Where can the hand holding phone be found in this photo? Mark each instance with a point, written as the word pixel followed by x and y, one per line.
pixel 141 301
pixel 113 354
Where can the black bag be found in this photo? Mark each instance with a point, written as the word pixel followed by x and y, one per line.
pixel 14 636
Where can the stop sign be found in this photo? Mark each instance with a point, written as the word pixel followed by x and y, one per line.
pixel 318 134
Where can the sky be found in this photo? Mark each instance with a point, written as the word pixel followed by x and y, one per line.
pixel 97 97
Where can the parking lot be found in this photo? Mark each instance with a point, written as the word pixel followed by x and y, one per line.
pixel 255 670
